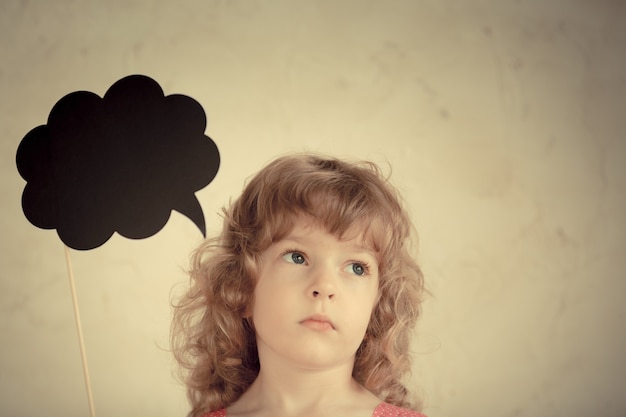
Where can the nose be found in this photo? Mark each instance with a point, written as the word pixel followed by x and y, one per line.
pixel 322 283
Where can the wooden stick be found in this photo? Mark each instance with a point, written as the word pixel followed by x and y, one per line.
pixel 81 341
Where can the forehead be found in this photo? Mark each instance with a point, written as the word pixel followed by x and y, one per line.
pixel 355 235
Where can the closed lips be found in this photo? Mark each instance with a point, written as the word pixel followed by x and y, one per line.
pixel 318 321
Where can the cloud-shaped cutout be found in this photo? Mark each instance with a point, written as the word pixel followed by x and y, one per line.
pixel 120 163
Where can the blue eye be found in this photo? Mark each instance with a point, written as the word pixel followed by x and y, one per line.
pixel 294 257
pixel 357 268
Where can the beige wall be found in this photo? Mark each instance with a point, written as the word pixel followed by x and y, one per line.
pixel 503 122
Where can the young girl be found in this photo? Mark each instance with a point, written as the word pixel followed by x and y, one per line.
pixel 305 303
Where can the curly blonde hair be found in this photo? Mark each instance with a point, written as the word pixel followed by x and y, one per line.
pixel 213 342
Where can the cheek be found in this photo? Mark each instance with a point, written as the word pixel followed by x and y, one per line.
pixel 366 310
pixel 269 300
pixel 359 312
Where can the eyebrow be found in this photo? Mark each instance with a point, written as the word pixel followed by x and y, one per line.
pixel 356 247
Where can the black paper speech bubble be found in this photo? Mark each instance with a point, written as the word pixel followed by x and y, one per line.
pixel 120 163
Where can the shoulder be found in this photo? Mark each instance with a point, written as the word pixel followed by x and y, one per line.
pixel 217 413
pixel 388 410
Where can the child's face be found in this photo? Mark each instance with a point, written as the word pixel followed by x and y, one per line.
pixel 314 298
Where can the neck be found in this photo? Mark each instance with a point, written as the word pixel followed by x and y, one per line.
pixel 294 391
pixel 297 390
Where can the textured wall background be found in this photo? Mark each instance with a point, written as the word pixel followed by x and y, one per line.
pixel 503 122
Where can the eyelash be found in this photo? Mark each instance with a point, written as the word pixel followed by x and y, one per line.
pixel 304 255
pixel 366 266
